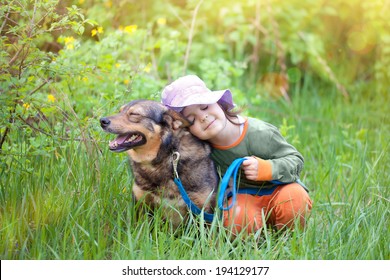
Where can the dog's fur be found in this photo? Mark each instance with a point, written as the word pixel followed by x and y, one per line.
pixel 151 133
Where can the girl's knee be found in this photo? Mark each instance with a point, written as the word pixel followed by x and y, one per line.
pixel 293 195
pixel 291 203
pixel 244 215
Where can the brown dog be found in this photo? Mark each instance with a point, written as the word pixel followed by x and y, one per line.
pixel 152 134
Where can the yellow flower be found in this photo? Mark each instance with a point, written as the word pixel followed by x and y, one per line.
pixel 85 79
pixel 126 82
pixel 162 21
pixel 98 30
pixel 130 29
pixel 26 105
pixel 81 2
pixel 51 98
pixel 68 40
pixel 69 43
pixel 117 65
pixel 69 46
pixel 148 67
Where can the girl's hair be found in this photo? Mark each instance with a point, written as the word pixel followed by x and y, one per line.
pixel 231 115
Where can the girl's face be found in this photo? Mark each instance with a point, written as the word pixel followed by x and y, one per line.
pixel 208 120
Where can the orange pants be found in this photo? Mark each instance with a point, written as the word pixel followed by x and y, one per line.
pixel 280 209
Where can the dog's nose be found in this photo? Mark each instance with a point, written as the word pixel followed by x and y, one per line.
pixel 104 122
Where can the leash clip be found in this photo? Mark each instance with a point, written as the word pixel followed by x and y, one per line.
pixel 175 162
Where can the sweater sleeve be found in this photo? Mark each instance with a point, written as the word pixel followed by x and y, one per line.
pixel 279 160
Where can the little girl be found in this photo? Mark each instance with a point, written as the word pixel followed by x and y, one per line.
pixel 269 158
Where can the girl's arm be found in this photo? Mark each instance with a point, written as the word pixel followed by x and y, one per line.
pixel 273 158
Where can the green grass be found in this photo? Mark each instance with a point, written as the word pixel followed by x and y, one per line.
pixel 74 202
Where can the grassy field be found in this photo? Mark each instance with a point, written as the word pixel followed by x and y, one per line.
pixel 74 200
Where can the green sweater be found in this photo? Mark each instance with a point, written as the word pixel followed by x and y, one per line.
pixel 278 160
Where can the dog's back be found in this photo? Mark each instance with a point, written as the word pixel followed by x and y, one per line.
pixel 152 134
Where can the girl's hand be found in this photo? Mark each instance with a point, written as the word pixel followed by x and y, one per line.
pixel 250 167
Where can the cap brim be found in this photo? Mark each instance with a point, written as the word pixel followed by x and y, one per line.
pixel 220 96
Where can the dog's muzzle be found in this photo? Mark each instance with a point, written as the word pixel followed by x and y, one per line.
pixel 123 141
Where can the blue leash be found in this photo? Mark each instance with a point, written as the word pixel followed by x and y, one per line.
pixel 194 209
pixel 231 171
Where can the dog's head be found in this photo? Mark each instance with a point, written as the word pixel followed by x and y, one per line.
pixel 139 123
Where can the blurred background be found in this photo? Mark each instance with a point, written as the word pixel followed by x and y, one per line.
pixel 259 48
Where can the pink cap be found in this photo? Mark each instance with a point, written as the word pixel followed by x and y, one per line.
pixel 191 90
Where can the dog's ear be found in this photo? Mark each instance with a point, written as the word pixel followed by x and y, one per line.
pixel 175 119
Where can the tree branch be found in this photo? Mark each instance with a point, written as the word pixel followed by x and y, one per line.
pixel 5 20
pixel 40 86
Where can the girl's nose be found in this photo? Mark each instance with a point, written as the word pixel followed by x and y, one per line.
pixel 204 118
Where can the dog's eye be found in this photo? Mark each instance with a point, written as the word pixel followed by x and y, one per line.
pixel 134 117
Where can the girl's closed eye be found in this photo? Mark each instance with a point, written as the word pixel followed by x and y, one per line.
pixel 204 107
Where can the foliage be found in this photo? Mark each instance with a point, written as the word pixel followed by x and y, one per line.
pixel 54 51
pixel 25 67
pixel 317 69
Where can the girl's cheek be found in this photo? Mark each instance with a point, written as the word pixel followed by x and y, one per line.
pixel 192 129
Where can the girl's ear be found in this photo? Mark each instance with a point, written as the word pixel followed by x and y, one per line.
pixel 175 120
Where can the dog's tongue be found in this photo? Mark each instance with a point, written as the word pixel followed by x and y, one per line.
pixel 120 139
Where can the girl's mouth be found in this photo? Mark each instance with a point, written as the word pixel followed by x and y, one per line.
pixel 210 124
